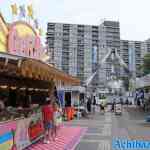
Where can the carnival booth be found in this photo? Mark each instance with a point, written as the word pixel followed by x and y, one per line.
pixel 25 81
pixel 72 100
pixel 24 86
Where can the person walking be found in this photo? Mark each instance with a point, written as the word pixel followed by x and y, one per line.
pixel 138 102
pixel 127 102
pixel 47 115
pixel 102 108
pixel 94 105
pixel 113 106
pixel 89 105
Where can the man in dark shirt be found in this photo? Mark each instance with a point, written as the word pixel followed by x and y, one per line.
pixel 89 105
pixel 94 105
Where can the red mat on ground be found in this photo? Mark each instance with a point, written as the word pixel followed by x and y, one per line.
pixel 67 139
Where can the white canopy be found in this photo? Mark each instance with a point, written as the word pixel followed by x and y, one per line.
pixel 143 81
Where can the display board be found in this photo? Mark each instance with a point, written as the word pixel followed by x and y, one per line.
pixel 21 133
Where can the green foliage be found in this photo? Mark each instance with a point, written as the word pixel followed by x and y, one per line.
pixel 146 64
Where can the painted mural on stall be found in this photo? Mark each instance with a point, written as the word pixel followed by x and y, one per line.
pixel 17 135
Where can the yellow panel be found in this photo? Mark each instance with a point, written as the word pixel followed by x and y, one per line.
pixel 6 146
pixel 4 27
pixel 3 37
pixel 3 48
pixel 24 30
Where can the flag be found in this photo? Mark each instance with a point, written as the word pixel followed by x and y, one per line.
pixel 36 23
pixel 30 11
pixel 22 11
pixel 14 9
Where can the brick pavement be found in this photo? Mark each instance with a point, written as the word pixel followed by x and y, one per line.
pixel 67 139
pixel 102 129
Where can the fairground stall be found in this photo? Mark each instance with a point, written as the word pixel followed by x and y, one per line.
pixel 25 81
pixel 72 98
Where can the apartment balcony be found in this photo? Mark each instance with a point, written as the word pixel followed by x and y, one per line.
pixel 52 34
pixel 51 30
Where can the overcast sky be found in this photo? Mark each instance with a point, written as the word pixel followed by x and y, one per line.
pixel 134 15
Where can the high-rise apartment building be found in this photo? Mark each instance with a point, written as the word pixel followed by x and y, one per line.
pixel 109 32
pixel 124 47
pixel 78 49
pixel 132 53
pixel 146 47
pixel 74 48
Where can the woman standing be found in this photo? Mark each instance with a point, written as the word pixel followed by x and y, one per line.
pixel 47 113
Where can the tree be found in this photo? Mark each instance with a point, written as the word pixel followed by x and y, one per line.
pixel 146 64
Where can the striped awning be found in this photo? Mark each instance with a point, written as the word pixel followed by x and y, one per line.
pixel 33 69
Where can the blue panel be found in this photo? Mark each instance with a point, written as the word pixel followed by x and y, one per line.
pixel 6 137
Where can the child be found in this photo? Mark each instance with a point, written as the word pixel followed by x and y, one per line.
pixel 55 120
pixel 59 118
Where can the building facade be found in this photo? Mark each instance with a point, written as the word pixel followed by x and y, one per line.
pixel 132 53
pixel 73 48
pixel 78 50
pixel 109 37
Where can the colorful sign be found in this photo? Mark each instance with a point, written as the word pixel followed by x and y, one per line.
pixel 21 133
pixel 19 38
pixel 24 41
pixel 6 135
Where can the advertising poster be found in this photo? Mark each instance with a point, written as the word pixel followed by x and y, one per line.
pixel 61 97
pixel 17 135
pixel 21 134
pixel 94 55
pixel 6 135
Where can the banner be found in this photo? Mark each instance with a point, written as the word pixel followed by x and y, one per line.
pixel 19 134
pixel 6 135
pixel 61 97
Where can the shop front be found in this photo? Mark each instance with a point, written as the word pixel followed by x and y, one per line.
pixel 25 87
pixel 25 82
pixel 72 97
pixel 21 118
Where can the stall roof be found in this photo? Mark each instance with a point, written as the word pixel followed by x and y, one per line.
pixel 34 69
pixel 143 81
